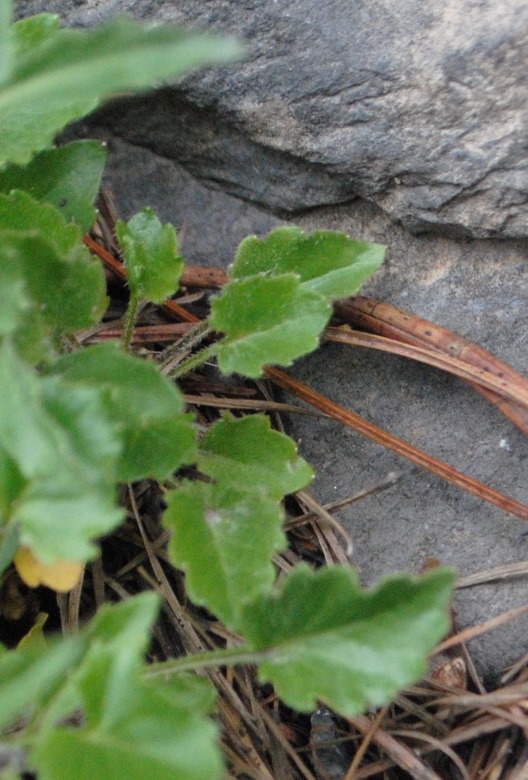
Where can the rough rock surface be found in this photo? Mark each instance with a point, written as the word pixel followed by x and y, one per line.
pixel 418 106
pixel 476 287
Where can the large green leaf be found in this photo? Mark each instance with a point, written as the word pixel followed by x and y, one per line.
pixel 329 640
pixel 247 454
pixel 61 75
pixel 224 540
pixel 66 448
pixel 67 177
pixel 151 256
pixel 328 262
pixel 266 320
pixel 158 437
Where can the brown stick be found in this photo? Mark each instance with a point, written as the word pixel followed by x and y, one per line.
pixel 357 423
pixel 387 320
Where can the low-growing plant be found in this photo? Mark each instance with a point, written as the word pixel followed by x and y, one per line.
pixel 75 422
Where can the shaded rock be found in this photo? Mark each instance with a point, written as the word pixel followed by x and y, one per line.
pixel 419 107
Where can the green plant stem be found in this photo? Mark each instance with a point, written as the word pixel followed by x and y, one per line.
pixel 229 656
pixel 130 321
pixel 194 362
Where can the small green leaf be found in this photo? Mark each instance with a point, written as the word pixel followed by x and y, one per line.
pixel 224 540
pixel 62 75
pixel 327 262
pixel 51 284
pixel 329 640
pixel 151 256
pixel 158 438
pixel 67 177
pixel 66 448
pixel 266 320
pixel 247 454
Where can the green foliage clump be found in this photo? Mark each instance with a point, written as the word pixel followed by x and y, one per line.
pixel 76 422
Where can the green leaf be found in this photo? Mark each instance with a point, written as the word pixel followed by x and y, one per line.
pixel 156 738
pixel 5 43
pixel 9 544
pixel 327 262
pixel 14 301
pixel 62 75
pixel 29 677
pixel 66 448
pixel 158 438
pixel 151 256
pixel 132 728
pixel 224 540
pixel 67 177
pixel 12 483
pixel 247 454
pixel 51 286
pixel 329 640
pixel 266 320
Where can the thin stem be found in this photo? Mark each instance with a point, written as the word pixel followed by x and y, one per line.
pixel 130 321
pixel 188 341
pixel 194 362
pixel 229 656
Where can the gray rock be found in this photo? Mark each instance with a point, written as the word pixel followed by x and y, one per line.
pixel 417 106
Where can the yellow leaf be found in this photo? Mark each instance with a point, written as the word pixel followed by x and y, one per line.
pixel 35 633
pixel 61 575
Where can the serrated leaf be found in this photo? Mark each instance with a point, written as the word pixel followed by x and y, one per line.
pixel 158 437
pixel 51 286
pixel 329 640
pixel 151 256
pixel 61 75
pixel 247 454
pixel 266 320
pixel 66 448
pixel 327 262
pixel 68 177
pixel 224 540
